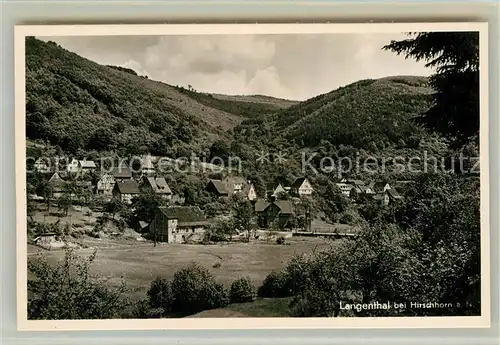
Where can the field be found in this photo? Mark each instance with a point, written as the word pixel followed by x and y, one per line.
pixel 140 262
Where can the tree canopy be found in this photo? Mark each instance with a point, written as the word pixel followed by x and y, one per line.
pixel 455 58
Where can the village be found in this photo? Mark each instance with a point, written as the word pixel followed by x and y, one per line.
pixel 280 212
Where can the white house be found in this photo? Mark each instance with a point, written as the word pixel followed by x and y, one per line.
pixel 345 188
pixel 87 166
pixel 73 166
pixel 249 192
pixel 105 184
pixel 302 187
pixel 42 165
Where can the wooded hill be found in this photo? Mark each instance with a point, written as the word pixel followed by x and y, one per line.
pixel 80 105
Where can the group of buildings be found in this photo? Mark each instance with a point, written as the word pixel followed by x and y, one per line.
pixel 382 192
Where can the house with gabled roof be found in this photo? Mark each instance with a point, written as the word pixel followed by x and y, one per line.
pixel 57 184
pixel 87 166
pixel 302 187
pixel 218 188
pixel 105 184
pixel 157 185
pixel 380 187
pixel 249 192
pixel 277 213
pixel 42 165
pixel 126 190
pixel 177 224
pixel 274 189
pixel 147 166
pixel 121 173
pixel 382 198
pixel 394 195
pixel 234 184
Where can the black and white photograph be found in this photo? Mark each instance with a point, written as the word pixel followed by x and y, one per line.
pixel 322 173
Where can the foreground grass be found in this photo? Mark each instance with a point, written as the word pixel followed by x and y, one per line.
pixel 262 307
pixel 138 263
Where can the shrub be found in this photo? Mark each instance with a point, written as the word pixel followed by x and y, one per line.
pixel 242 290
pixel 194 289
pixel 68 291
pixel 160 294
pixel 143 310
pixel 276 284
pixel 280 240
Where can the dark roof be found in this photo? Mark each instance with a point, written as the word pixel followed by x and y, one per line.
pixel 185 215
pixel 356 182
pixel 219 186
pixel 127 187
pixel 261 205
pixel 56 181
pixel 87 164
pixel 379 185
pixel 285 206
pixel 234 180
pixel 121 172
pixel 298 182
pixel 394 193
pixel 159 185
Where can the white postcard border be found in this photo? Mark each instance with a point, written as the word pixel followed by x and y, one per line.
pixel 22 31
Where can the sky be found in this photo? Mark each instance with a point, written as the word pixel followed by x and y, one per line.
pixel 293 67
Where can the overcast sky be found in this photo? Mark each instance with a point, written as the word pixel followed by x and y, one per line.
pixel 287 66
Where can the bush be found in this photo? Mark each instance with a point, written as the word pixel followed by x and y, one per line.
pixel 280 240
pixel 68 291
pixel 143 310
pixel 276 284
pixel 194 289
pixel 160 294
pixel 242 290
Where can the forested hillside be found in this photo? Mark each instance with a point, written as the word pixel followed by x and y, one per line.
pixel 78 104
pixel 368 113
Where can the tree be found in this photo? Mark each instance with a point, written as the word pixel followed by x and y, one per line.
pixel 146 204
pixel 242 214
pixel 114 206
pixel 455 58
pixel 45 190
pixel 68 291
pixel 194 289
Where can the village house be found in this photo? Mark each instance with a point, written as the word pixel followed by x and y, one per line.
pixel 382 198
pixel 126 190
pixel 177 200
pixel 274 189
pixel 147 166
pixel 121 173
pixel 218 188
pixel 249 192
pixel 159 186
pixel 57 184
pixel 380 187
pixel 73 166
pixel 87 166
pixel 234 184
pixel 345 188
pixel 278 213
pixel 237 184
pixel 393 195
pixel 177 224
pixel 302 187
pixel 105 184
pixel 45 239
pixel 42 165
